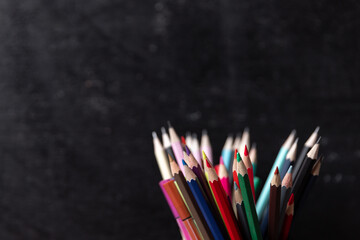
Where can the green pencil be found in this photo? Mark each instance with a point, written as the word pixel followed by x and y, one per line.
pixel 246 192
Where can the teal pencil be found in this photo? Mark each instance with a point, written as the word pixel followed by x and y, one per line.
pixel 227 153
pixel 264 197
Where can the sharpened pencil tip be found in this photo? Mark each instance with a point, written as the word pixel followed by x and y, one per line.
pixel 163 130
pixel 293 132
pixel 235 153
pixel 317 129
pixel 291 200
pixel 169 124
pixel 194 135
pixel 318 141
pixel 276 171
pixel 154 135
pixel 238 157
pixel 183 140
pixel 290 169
pixel 221 160
pixel 296 140
pixel 187 150
pixel 183 162
pixel 204 132
pixel 170 158
pixel 235 186
pixel 246 153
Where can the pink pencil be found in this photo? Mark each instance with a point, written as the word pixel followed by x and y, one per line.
pixel 206 146
pixel 224 178
pixel 176 146
pixel 180 223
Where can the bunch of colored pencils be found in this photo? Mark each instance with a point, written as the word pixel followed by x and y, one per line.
pixel 224 201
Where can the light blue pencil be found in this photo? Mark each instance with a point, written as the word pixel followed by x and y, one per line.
pixel 227 153
pixel 263 199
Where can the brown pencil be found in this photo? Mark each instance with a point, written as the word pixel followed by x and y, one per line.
pixel 190 200
pixel 274 206
pixel 181 208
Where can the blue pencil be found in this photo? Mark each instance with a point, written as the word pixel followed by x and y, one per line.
pixel 192 181
pixel 263 200
pixel 289 159
pixel 227 153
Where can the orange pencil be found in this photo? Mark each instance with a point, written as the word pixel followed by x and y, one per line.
pixel 181 208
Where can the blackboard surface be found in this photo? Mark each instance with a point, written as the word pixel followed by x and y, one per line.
pixel 83 84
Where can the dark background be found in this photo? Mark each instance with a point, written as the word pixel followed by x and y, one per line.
pixel 83 84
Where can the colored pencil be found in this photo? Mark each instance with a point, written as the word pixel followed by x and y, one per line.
pixel 224 178
pixel 257 185
pixel 263 200
pixel 307 146
pixel 205 146
pixel 221 200
pixel 234 169
pixel 176 145
pixel 161 158
pixel 194 166
pixel 289 159
pixel 180 223
pixel 195 188
pixel 305 171
pixel 196 149
pixel 286 188
pixel 274 206
pixel 313 177
pixel 249 169
pixel 245 141
pixel 167 143
pixel 253 157
pixel 190 200
pixel 188 140
pixel 237 141
pixel 240 213
pixel 181 208
pixel 227 153
pixel 289 213
pixel 246 192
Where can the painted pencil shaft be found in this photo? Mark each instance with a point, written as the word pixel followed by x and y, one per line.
pixel 250 208
pixel 192 205
pixel 248 199
pixel 179 221
pixel 205 209
pixel 274 211
pixel 289 213
pixel 191 228
pixel 225 210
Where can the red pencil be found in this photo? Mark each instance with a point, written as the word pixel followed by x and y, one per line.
pixel 249 169
pixel 288 218
pixel 222 202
